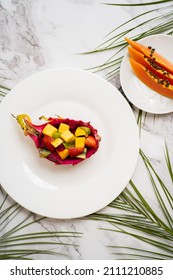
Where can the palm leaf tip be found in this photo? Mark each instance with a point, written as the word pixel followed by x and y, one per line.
pixel 138 4
pixel 168 162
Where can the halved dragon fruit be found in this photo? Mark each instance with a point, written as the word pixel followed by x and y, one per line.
pixel 63 141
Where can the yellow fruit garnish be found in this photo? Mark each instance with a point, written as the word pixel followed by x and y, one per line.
pixel 63 154
pixel 63 127
pixel 49 130
pixel 67 136
pixel 57 142
pixel 80 142
pixel 80 132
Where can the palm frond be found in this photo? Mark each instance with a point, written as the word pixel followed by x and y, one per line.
pixel 140 221
pixel 143 253
pixel 138 4
pixel 15 243
pixel 115 43
pixel 140 118
pixel 168 162
pixel 159 195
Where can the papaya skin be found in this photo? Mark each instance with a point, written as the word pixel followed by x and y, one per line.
pixel 149 80
pixel 160 60
pixel 150 65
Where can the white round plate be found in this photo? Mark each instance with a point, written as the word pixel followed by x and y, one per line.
pixel 67 191
pixel 138 93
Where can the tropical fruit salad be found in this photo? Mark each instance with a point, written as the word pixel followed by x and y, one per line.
pixel 151 68
pixel 63 141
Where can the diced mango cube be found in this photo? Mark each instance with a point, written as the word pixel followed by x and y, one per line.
pixel 67 136
pixel 80 132
pixel 86 129
pixel 57 142
pixel 63 127
pixel 80 142
pixel 63 154
pixel 49 130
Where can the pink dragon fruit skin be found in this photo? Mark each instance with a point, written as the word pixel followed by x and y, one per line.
pixel 35 133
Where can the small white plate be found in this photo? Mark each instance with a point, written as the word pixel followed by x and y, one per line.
pixel 67 191
pixel 138 93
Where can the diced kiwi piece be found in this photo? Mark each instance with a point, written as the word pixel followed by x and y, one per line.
pixel 83 154
pixel 44 153
pixel 69 145
pixel 56 134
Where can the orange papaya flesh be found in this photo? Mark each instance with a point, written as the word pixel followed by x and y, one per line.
pixel 137 56
pixel 150 64
pixel 148 78
pixel 137 46
pixel 150 52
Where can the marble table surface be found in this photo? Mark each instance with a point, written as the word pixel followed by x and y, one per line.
pixel 42 34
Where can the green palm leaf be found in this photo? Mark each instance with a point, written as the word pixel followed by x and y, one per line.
pixel 139 4
pixel 14 244
pixel 115 43
pixel 140 221
pixel 3 90
pixel 168 162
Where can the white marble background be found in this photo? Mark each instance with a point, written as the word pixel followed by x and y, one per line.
pixel 41 34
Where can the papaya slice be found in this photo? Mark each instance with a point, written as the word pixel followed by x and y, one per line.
pixel 150 64
pixel 150 52
pixel 148 78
